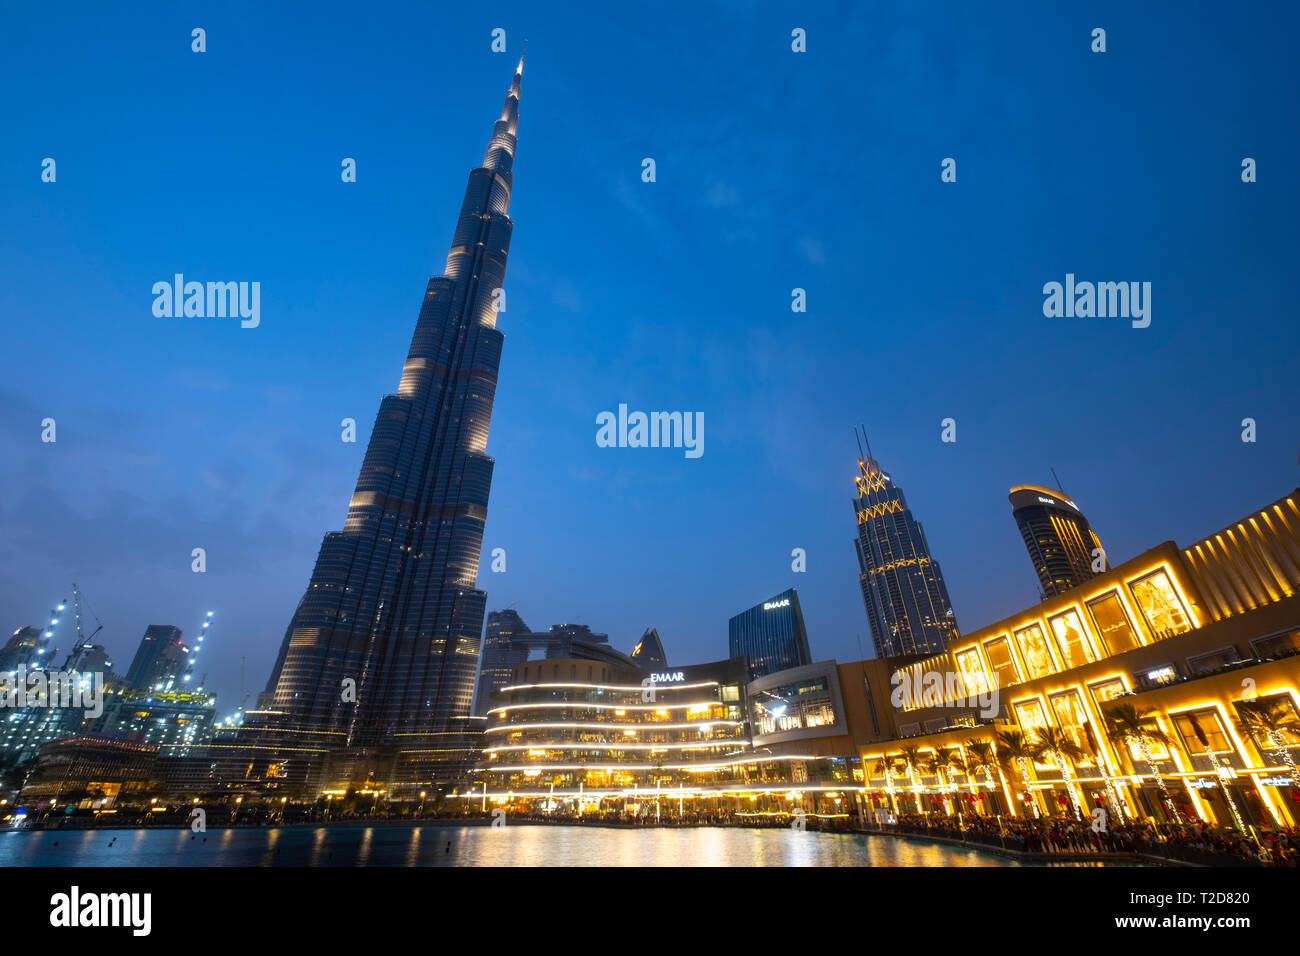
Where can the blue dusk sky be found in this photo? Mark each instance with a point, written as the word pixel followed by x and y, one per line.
pixel 776 170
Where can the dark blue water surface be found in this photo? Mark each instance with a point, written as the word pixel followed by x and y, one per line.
pixel 511 845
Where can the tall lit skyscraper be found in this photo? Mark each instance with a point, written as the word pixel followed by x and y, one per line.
pixel 503 648
pixel 161 657
pixel 1058 538
pixel 771 634
pixel 383 647
pixel 902 585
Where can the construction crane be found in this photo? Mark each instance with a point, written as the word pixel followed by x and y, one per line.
pixel 198 646
pixel 83 639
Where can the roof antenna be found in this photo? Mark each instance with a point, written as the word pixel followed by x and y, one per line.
pixel 855 435
pixel 868 441
pixel 1059 486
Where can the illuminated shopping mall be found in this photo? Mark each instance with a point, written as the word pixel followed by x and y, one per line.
pixel 591 737
pixel 1172 680
pixel 1164 688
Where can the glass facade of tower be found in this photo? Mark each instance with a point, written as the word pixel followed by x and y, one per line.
pixel 503 648
pixel 161 657
pixel 25 647
pixel 902 585
pixel 392 604
pixel 1060 542
pixel 771 634
pixel 649 651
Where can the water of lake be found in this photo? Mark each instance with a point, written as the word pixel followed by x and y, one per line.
pixel 511 845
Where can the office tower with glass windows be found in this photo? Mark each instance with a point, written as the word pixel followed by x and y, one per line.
pixel 1061 544
pixel 771 634
pixel 503 648
pixel 161 657
pixel 902 585
pixel 25 647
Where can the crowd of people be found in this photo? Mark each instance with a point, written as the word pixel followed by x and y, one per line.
pixel 643 815
pixel 1189 842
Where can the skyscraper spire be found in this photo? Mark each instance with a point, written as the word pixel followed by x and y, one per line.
pixel 501 148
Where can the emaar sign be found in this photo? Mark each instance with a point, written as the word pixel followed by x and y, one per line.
pixel 667 677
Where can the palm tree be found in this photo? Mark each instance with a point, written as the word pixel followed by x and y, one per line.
pixel 1102 760
pixel 1013 746
pixel 886 766
pixel 1128 727
pixel 956 761
pixel 1219 764
pixel 980 755
pixel 912 761
pixel 935 763
pixel 942 759
pixel 1271 718
pixel 1059 748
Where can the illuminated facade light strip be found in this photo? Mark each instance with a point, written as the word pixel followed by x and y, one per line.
pixel 609 705
pixel 702 766
pixel 696 745
pixel 666 792
pixel 637 687
pixel 702 722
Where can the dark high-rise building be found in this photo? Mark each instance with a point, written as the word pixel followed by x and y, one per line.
pixel 161 657
pixel 25 647
pixel 508 643
pixel 771 634
pixel 1058 538
pixel 392 611
pixel 503 648
pixel 52 715
pixel 89 658
pixel 902 586
pixel 649 651
pixel 574 640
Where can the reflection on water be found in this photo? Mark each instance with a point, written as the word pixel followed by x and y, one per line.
pixel 522 845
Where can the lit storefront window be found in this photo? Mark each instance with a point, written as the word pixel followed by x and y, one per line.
pixel 1279 711
pixel 1114 687
pixel 1000 658
pixel 1030 715
pixel 794 707
pixel 1202 732
pixel 972 669
pixel 1032 718
pixel 1160 605
pixel 1070 717
pixel 1034 651
pixel 1113 625
pixel 1071 642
